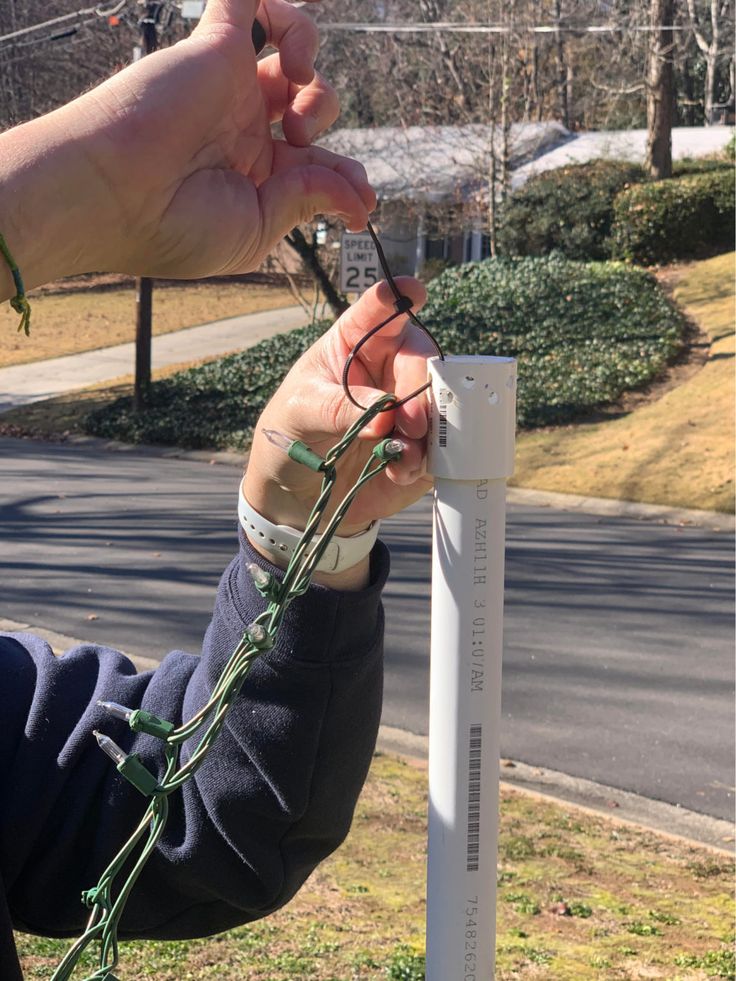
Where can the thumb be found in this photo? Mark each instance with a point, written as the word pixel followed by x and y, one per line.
pixel 295 196
pixel 232 13
pixel 339 413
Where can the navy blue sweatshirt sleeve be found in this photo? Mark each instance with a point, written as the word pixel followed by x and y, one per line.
pixel 273 799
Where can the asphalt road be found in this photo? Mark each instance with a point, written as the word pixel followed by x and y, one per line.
pixel 618 662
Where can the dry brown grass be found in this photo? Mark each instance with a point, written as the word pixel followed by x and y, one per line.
pixel 638 905
pixel 676 449
pixel 71 322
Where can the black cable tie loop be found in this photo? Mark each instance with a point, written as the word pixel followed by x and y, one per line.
pixel 402 305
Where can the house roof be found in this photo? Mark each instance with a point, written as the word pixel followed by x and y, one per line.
pixel 628 144
pixel 437 163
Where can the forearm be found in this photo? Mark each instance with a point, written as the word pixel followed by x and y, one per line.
pixel 49 201
pixel 275 799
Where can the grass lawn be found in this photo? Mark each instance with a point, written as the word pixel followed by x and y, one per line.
pixel 580 898
pixel 675 450
pixel 70 322
pixel 675 447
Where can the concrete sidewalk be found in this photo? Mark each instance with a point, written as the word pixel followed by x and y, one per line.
pixel 25 383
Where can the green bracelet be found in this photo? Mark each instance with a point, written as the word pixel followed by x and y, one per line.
pixel 20 301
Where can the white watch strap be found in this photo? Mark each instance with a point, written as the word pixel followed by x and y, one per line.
pixel 281 540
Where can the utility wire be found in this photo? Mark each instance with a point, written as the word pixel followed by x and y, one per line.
pixel 454 27
pixel 60 35
pixel 88 12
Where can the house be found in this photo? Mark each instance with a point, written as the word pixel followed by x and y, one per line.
pixel 432 182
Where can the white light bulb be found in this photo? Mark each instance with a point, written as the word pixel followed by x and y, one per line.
pixel 109 746
pixel 116 710
pixel 278 439
pixel 259 576
pixel 257 633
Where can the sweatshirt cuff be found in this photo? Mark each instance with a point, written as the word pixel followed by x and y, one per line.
pixel 324 625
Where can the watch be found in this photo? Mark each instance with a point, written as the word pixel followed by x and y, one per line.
pixel 281 540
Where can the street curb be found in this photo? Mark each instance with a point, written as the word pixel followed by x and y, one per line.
pixel 714 520
pixel 226 457
pixel 642 813
pixel 62 642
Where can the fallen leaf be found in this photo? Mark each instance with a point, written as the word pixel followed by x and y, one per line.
pixel 560 909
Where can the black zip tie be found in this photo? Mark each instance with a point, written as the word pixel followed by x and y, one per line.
pixel 402 305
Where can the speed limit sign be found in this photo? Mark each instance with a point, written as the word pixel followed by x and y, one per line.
pixel 359 266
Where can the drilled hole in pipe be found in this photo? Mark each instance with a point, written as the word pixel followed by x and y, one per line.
pixel 468 381
pixel 493 398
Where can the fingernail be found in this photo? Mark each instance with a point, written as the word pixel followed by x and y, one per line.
pixel 311 126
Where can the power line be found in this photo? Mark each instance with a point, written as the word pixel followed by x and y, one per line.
pixel 88 12
pixel 70 37
pixel 453 27
pixel 60 35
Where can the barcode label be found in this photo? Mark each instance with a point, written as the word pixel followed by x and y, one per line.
pixel 443 428
pixel 444 400
pixel 474 751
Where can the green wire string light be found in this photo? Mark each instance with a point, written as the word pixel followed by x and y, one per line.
pixel 107 899
pixel 20 301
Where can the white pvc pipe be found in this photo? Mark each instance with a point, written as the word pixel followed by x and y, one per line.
pixel 471 447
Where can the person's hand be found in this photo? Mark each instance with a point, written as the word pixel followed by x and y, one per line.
pixel 169 168
pixel 311 405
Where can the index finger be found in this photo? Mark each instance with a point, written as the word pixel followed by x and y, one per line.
pixel 232 13
pixel 295 35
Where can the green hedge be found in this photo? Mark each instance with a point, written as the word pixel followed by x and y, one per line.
pixel 569 210
pixel 700 165
pixel 583 333
pixel 675 219
pixel 573 210
pixel 214 405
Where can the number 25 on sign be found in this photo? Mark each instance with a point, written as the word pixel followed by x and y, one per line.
pixel 358 263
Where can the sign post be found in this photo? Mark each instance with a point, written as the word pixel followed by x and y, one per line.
pixel 359 265
pixel 470 454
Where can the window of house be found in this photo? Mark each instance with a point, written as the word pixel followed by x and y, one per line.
pixel 435 248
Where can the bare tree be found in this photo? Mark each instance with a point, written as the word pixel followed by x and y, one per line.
pixel 660 90
pixel 714 48
pixel 303 241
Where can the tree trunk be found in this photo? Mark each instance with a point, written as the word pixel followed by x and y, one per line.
pixel 562 84
pixel 709 90
pixel 687 108
pixel 307 252
pixel 660 91
pixel 505 116
pixel 492 180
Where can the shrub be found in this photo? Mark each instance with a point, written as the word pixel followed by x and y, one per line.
pixel 213 405
pixel 700 165
pixel 432 268
pixel 675 219
pixel 569 210
pixel 583 332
